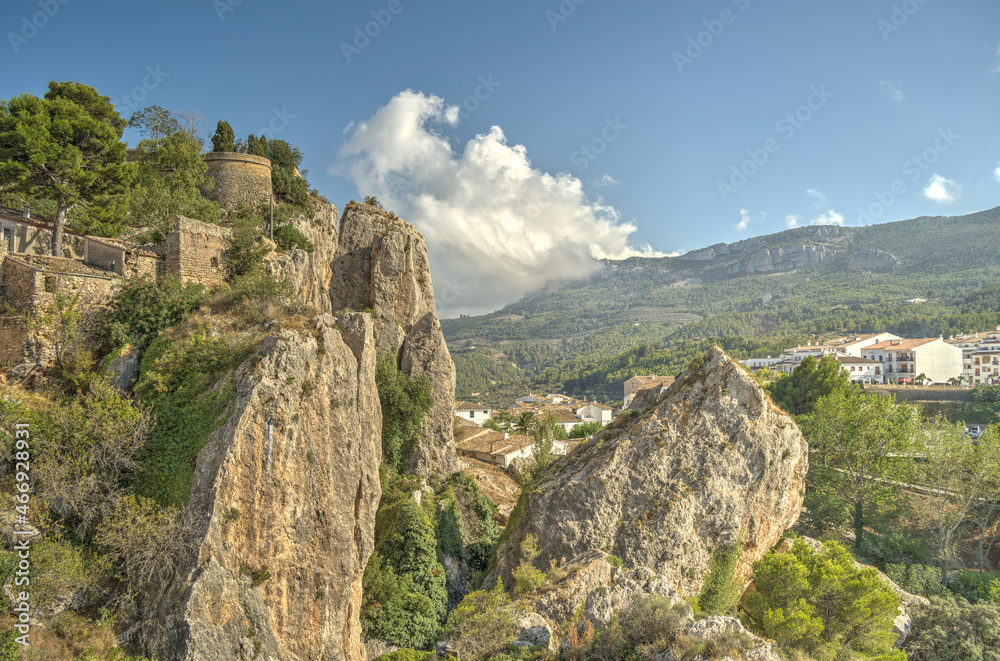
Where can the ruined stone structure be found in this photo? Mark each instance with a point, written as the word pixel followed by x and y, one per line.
pixel 196 251
pixel 239 179
pixel 31 280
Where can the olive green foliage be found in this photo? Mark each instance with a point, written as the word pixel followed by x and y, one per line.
pixel 9 647
pixel 406 655
pixel 171 175
pixel 258 146
pixel 585 429
pixel 288 237
pixel 854 437
pixel 178 377
pixel 483 624
pixel 84 452
pixel 224 139
pixel 822 604
pixel 373 201
pixel 97 105
pixel 285 160
pixel 721 590
pixel 142 308
pixel 44 144
pixel 154 122
pixel 952 629
pixel 145 540
pixel 527 577
pixel 247 250
pixel 917 579
pixel 414 553
pixel 484 537
pixel 449 532
pixel 799 391
pixel 405 401
pixel 985 393
pixel 60 565
pixel 393 610
pixel 257 285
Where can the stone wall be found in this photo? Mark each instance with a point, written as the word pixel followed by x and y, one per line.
pixel 11 341
pixel 197 251
pixel 923 393
pixel 17 284
pixel 107 257
pixel 239 179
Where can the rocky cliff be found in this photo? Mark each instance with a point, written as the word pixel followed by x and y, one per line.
pixel 710 463
pixel 282 506
pixel 309 274
pixel 381 265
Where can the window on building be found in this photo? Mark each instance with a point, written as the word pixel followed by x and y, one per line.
pixel 50 283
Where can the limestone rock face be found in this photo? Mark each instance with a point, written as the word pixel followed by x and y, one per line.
pixel 282 507
pixel 309 274
pixel 872 260
pixel 710 464
pixel 381 265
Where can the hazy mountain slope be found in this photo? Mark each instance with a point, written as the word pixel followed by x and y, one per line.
pixel 796 283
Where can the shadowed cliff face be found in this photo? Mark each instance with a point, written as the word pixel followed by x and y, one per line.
pixel 283 506
pixel 711 463
pixel 381 265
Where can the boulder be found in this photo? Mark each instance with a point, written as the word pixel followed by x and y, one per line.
pixel 710 464
pixel 123 367
pixel 533 631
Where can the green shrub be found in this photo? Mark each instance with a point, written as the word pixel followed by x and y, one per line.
pixel 392 610
pixel 924 580
pixel 246 250
pixel 256 285
pixel 449 532
pixel 721 590
pixel 224 138
pixel 143 307
pixel 985 393
pixel 977 585
pixel 178 378
pixel 614 561
pixel 952 629
pixel 406 655
pixel 483 624
pixel 822 604
pixel 404 401
pixel 288 237
pixel 527 577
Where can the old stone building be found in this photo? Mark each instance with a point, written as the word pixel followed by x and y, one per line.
pixel 239 179
pixel 33 283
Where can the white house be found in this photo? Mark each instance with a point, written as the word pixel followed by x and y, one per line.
pixel 473 412
pixel 862 370
pixel 563 417
pixel 596 412
pixel 853 345
pixel 501 449
pixel 904 360
pixel 979 353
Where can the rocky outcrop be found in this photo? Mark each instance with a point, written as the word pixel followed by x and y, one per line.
pixel 308 273
pixel 282 507
pixel 783 259
pixel 381 265
pixel 712 463
pixel 872 260
pixel 123 368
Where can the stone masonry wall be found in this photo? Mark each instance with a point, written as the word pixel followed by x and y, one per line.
pixel 197 251
pixel 11 341
pixel 239 179
pixel 18 285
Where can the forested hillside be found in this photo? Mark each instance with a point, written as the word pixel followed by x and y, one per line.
pixel 651 315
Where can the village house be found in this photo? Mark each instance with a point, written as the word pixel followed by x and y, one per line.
pixel 594 412
pixel 472 412
pixel 861 370
pixel 501 449
pixel 980 352
pixel 904 360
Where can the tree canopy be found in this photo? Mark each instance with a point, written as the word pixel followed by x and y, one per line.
pixel 799 391
pixel 56 149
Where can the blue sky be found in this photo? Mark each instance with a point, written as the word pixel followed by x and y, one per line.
pixel 622 128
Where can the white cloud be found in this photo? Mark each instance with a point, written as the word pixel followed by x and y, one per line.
pixel 996 174
pixel 744 220
pixel 944 191
pixel 607 181
pixel 831 217
pixel 892 92
pixel 496 228
pixel 347 129
pixel 791 221
pixel 820 198
pixel 996 69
